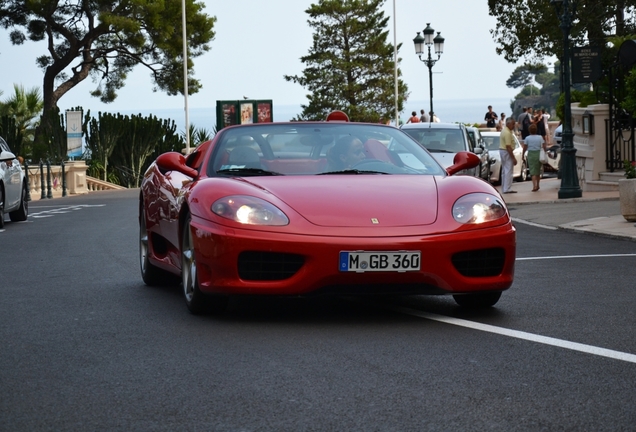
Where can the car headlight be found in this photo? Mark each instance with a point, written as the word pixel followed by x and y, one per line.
pixel 249 210
pixel 478 208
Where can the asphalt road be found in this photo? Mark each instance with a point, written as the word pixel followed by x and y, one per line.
pixel 85 345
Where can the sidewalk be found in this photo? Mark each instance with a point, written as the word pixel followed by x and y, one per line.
pixel 595 212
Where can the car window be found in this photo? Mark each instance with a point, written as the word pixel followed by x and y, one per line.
pixel 491 142
pixel 472 137
pixel 312 148
pixel 439 140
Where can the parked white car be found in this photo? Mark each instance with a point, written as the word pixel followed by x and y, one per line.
pixel 443 141
pixel 13 187
pixel 520 171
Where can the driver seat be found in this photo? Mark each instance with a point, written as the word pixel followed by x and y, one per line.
pixel 245 157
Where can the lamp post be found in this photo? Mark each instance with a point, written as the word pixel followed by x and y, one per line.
pixel 569 179
pixel 428 41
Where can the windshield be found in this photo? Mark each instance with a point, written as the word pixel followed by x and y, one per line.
pixel 300 148
pixel 438 139
pixel 491 141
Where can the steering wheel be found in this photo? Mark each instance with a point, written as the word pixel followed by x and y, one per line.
pixel 365 162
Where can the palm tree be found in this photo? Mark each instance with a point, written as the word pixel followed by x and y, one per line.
pixel 25 107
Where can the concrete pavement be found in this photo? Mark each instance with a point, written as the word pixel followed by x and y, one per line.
pixel 594 213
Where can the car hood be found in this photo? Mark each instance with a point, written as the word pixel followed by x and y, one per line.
pixel 357 200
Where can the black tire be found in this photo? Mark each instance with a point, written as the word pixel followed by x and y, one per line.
pixel 477 300
pixel 196 301
pixel 1 207
pixel 151 274
pixel 22 213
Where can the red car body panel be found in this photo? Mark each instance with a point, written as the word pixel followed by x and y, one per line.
pixel 327 214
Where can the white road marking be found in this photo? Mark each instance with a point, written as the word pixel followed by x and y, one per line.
pixel 575 256
pixel 62 210
pixel 588 349
pixel 549 227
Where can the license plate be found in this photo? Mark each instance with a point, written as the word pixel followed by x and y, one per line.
pixel 360 261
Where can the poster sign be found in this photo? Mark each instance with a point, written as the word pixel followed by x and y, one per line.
pixel 229 114
pixel 245 111
pixel 586 64
pixel 74 133
pixel 264 112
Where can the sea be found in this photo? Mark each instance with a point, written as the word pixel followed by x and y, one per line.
pixel 467 111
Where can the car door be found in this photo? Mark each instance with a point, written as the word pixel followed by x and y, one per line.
pixel 12 178
pixel 518 154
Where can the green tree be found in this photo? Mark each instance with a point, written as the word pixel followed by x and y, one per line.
pixel 104 133
pixel 524 75
pixel 105 39
pixel 25 107
pixel 144 139
pixel 530 28
pixel 350 66
pixel 197 135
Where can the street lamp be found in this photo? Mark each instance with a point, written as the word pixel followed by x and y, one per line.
pixel 438 44
pixel 569 179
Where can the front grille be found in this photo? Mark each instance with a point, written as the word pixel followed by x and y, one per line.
pixel 255 265
pixel 480 263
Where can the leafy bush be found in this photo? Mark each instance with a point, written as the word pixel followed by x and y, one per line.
pixel 584 98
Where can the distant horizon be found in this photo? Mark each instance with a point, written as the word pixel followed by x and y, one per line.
pixel 448 110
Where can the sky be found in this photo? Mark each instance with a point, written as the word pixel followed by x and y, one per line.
pixel 258 42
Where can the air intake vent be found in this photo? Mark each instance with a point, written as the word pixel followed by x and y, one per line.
pixel 480 263
pixel 254 265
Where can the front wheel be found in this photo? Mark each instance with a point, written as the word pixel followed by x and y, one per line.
pixel 151 274
pixel 22 212
pixel 196 301
pixel 477 300
pixel 1 208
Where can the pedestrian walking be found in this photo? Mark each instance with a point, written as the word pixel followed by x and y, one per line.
pixel 414 118
pixel 490 117
pixel 540 122
pixel 533 144
pixel 508 161
pixel 424 118
pixel 546 121
pixel 524 120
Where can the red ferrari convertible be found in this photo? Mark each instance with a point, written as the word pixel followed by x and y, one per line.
pixel 306 208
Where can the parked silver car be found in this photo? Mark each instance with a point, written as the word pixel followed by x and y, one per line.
pixel 13 187
pixel 443 141
pixel 480 150
pixel 520 171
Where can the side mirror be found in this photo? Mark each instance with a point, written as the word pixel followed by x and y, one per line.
pixel 478 150
pixel 6 156
pixel 463 160
pixel 173 161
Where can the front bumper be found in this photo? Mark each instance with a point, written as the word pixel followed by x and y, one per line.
pixel 302 264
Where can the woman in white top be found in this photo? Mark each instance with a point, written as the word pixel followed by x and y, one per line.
pixel 533 144
pixel 502 122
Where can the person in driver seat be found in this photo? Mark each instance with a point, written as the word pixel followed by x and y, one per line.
pixel 244 157
pixel 345 153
